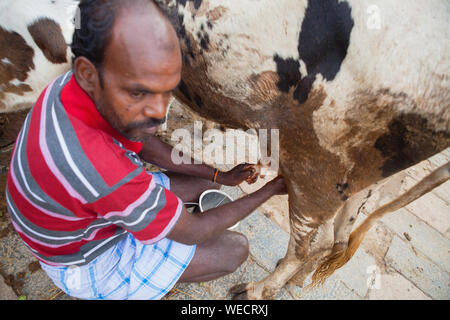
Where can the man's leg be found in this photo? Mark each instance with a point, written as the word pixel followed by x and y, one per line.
pixel 216 257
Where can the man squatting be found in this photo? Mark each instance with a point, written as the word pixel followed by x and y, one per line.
pixel 102 226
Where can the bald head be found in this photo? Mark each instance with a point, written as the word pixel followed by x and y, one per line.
pixel 142 39
pixel 98 19
pixel 145 19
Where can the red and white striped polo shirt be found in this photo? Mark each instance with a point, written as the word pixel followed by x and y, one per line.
pixel 76 186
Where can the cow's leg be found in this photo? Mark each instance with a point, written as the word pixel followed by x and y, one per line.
pixel 337 259
pixel 268 287
pixel 318 241
pixel 320 248
pixel 344 221
pixel 341 225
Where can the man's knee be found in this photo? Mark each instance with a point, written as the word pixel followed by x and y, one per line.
pixel 239 250
pixel 217 258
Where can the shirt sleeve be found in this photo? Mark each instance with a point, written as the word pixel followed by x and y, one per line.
pixel 139 205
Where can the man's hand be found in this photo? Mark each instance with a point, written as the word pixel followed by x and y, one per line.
pixel 237 175
pixel 277 185
pixel 194 228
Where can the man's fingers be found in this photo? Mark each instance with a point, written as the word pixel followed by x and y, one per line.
pixel 249 171
pixel 249 166
pixel 252 179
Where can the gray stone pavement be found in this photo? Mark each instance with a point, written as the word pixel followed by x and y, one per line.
pixel 405 256
pixel 6 292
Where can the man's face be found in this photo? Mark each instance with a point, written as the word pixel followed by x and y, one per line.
pixel 142 67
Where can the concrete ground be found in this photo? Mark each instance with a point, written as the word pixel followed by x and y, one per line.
pixel 405 256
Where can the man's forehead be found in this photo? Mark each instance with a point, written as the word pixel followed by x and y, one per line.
pixel 143 39
pixel 148 22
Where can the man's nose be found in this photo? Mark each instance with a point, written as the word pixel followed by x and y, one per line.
pixel 156 110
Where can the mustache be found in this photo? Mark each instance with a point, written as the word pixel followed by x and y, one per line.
pixel 149 123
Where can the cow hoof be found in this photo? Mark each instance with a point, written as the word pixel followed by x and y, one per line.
pixel 278 262
pixel 251 291
pixel 241 291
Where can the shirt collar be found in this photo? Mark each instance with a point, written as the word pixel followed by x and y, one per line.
pixel 79 105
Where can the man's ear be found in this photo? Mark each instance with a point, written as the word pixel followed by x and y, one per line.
pixel 87 76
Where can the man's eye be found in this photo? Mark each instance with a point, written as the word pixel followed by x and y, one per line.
pixel 136 94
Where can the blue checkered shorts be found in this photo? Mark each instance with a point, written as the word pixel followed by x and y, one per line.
pixel 128 270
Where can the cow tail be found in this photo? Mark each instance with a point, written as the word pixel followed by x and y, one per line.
pixel 338 259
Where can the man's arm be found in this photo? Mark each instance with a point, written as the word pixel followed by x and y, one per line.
pixel 195 228
pixel 159 153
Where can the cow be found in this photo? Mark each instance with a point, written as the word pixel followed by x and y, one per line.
pixel 34 38
pixel 358 90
